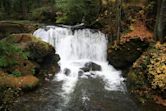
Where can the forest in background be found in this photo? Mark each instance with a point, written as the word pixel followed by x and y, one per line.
pixel 93 13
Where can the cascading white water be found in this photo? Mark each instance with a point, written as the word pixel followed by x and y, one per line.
pixel 77 48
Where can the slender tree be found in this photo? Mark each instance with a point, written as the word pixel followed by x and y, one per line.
pixel 118 19
pixel 160 26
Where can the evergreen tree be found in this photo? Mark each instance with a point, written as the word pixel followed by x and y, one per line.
pixel 77 11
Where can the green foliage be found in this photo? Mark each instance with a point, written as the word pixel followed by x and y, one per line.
pixel 77 11
pixel 33 71
pixel 21 9
pixel 10 53
pixel 70 11
pixel 62 19
pixel 44 14
pixel 16 73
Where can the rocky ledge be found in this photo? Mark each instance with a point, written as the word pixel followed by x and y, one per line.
pixel 34 60
pixel 15 27
pixel 122 56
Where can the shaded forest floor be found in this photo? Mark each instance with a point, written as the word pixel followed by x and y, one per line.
pixel 138 30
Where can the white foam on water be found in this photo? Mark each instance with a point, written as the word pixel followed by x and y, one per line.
pixel 76 48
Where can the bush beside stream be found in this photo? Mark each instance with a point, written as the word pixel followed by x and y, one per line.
pixel 147 77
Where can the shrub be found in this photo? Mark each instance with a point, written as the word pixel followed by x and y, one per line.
pixel 44 14
pixel 148 74
pixel 77 11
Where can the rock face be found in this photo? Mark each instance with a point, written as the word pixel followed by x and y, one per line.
pixel 41 60
pixel 91 66
pixel 123 55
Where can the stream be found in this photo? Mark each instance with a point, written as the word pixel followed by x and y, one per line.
pixel 86 82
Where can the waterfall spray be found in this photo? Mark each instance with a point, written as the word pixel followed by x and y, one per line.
pixel 77 49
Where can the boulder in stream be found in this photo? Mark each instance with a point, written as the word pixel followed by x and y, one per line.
pixel 91 66
pixel 66 71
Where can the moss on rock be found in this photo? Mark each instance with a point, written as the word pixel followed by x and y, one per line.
pixel 23 82
pixel 33 60
pixel 147 77
pixel 40 60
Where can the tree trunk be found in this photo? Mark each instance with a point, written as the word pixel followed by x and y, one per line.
pixel 24 8
pixel 160 26
pixel 162 23
pixel 118 19
pixel 157 20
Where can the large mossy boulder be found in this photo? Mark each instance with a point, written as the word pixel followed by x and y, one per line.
pixel 25 62
pixel 123 55
pixel 147 77
pixel 41 57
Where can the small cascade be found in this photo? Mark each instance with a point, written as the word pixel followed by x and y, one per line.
pixel 83 54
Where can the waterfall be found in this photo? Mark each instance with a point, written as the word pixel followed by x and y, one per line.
pixel 77 48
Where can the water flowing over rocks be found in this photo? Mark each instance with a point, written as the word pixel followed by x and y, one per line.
pixel 100 87
pixel 83 55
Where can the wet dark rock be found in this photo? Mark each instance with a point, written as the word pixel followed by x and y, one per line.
pixel 80 73
pixel 124 55
pixel 85 69
pixel 89 76
pixel 92 74
pixel 67 71
pixel 91 66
